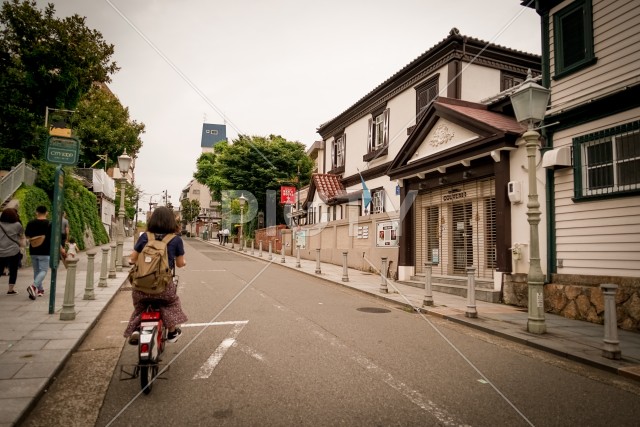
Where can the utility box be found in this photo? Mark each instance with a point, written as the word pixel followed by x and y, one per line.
pixel 514 191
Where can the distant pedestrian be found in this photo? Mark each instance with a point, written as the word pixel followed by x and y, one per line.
pixel 38 232
pixel 225 236
pixel 11 243
pixel 64 229
pixel 72 248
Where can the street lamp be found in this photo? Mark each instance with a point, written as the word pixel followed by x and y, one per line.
pixel 124 161
pixel 242 201
pixel 529 105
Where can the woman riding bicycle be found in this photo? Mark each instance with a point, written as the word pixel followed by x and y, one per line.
pixel 161 223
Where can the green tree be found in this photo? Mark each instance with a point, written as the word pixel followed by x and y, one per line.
pixel 189 211
pixel 45 61
pixel 255 164
pixel 103 125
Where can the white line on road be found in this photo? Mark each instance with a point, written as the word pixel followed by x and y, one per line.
pixel 206 370
pixel 231 322
pixel 413 395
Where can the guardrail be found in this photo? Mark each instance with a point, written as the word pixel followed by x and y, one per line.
pixel 22 173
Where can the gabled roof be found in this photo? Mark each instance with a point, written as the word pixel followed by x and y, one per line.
pixel 455 46
pixel 330 189
pixel 495 130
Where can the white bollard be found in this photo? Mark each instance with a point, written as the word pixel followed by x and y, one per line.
pixel 383 273
pixel 611 349
pixel 428 293
pixel 471 294
pixel 318 271
pixel 345 271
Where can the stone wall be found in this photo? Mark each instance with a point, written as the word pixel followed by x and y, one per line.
pixel 580 298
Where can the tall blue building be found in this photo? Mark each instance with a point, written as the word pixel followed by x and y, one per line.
pixel 211 135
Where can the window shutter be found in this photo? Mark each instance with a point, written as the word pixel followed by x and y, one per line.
pixel 370 137
pixel 386 128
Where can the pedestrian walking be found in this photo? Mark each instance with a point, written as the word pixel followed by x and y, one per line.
pixel 12 241
pixel 225 236
pixel 64 229
pixel 38 231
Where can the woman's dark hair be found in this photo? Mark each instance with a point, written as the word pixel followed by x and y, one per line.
pixel 162 221
pixel 9 215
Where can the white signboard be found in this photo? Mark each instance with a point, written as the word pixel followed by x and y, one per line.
pixel 387 234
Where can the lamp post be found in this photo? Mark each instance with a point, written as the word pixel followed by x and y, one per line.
pixel 242 201
pixel 124 161
pixel 529 105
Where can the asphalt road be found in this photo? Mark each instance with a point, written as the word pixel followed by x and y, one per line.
pixel 265 345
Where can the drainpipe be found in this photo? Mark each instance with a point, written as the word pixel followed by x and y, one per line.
pixel 548 137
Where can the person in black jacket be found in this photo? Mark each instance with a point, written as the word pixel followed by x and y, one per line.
pixel 38 233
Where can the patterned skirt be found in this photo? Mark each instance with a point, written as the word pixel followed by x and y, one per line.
pixel 170 308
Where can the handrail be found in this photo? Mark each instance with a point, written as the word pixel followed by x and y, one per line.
pixel 22 173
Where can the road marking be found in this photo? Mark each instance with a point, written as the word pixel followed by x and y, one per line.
pixel 207 368
pixel 413 395
pixel 232 322
pixel 207 270
pixel 248 350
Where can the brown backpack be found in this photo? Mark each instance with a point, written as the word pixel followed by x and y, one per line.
pixel 151 272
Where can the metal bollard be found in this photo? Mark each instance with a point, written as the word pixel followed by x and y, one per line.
pixel 428 293
pixel 282 260
pixel 253 244
pixel 119 250
pixel 318 271
pixel 611 348
pixel 297 256
pixel 270 248
pixel 260 244
pixel 68 311
pixel 104 267
pixel 88 287
pixel 112 266
pixel 345 272
pixel 471 294
pixel 383 274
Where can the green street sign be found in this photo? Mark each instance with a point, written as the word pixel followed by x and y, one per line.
pixel 62 150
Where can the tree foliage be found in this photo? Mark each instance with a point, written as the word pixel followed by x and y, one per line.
pixel 45 61
pixel 255 164
pixel 103 125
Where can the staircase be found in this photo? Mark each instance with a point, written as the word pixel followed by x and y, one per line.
pixel 22 173
pixel 457 285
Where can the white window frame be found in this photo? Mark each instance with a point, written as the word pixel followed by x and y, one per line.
pixel 337 151
pixel 377 201
pixel 614 163
pixel 379 131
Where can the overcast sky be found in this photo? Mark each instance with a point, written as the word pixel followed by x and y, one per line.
pixel 268 66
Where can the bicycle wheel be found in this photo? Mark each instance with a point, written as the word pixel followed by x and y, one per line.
pixel 147 373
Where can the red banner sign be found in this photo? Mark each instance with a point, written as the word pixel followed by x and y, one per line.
pixel 287 195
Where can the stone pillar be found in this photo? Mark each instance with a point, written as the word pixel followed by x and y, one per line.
pixel 318 271
pixel 345 271
pixel 112 267
pixel 428 293
pixel 611 349
pixel 88 288
pixel 104 268
pixel 471 293
pixel 383 274
pixel 68 311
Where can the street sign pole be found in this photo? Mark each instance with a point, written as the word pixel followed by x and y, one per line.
pixel 56 232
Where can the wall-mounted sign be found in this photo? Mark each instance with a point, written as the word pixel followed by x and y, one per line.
pixel 387 234
pixel 287 195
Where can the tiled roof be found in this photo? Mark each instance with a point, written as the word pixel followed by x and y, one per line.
pixel 328 186
pixel 480 113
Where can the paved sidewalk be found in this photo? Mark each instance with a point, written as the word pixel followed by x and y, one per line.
pixel 34 345
pixel 574 339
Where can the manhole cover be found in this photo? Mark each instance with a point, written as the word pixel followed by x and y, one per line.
pixel 374 310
